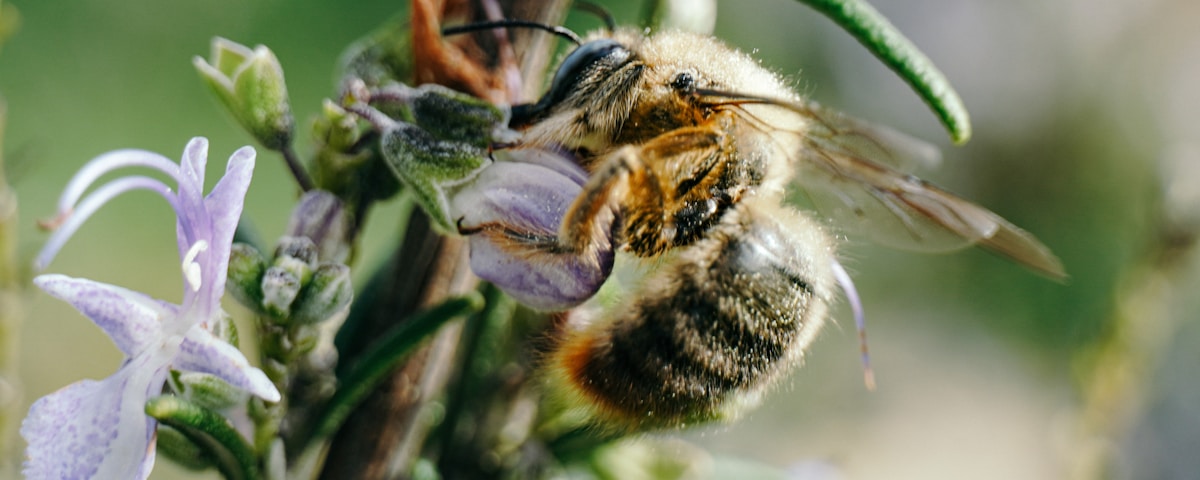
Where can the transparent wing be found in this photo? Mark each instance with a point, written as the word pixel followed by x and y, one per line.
pixel 857 174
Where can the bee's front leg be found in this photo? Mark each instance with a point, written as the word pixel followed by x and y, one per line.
pixel 667 191
pixel 511 214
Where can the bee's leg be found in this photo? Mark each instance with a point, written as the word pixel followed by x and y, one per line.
pixel 668 191
pixel 511 214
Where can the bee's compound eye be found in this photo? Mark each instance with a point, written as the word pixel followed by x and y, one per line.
pixel 684 82
pixel 579 63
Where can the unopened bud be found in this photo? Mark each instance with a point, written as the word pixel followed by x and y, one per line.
pixel 280 288
pixel 321 218
pixel 244 281
pixel 250 84
pixel 327 294
pixel 208 390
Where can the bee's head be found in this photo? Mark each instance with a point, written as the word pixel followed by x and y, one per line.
pixel 626 88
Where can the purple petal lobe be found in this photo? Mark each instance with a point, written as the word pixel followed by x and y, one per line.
pixel 559 161
pixel 96 429
pixel 131 319
pixel 202 352
pixel 513 212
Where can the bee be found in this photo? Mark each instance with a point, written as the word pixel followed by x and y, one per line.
pixel 690 147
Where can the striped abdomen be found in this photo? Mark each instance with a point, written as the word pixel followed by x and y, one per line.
pixel 707 330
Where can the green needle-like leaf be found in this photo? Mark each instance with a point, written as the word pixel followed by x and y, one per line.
pixel 233 456
pixel 374 365
pixel 883 40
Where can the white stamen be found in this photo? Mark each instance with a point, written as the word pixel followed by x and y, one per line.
pixel 69 223
pixel 191 269
pixel 108 162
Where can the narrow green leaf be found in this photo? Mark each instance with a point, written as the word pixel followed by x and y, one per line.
pixel 373 366
pixel 181 450
pixel 886 42
pixel 210 431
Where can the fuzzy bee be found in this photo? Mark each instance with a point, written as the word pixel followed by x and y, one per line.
pixel 684 150
pixel 689 146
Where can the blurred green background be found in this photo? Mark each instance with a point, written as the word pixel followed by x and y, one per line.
pixel 1087 134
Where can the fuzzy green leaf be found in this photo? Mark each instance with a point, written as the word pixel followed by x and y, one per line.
pixel 233 456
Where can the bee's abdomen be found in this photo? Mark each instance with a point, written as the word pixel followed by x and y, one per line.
pixel 710 329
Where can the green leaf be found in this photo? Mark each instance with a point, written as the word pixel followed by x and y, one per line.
pixel 211 432
pixel 373 366
pixel 886 42
pixel 181 450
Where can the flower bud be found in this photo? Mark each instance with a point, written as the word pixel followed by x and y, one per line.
pixel 250 85
pixel 326 295
pixel 336 128
pixel 344 167
pixel 296 253
pixel 244 282
pixel 208 390
pixel 280 288
pixel 321 218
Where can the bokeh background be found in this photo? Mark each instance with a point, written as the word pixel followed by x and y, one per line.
pixel 1087 134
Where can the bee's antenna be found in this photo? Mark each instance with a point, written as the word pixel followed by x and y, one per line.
pixel 478 26
pixel 598 10
pixel 860 321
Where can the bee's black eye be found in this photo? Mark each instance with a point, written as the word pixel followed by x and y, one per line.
pixel 684 83
pixel 575 67
pixel 598 54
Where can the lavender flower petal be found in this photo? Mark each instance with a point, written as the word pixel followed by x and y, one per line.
pixel 514 211
pixel 202 352
pixel 97 429
pixel 130 318
pixel 192 223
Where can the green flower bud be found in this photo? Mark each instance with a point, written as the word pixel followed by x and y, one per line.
pixel 208 390
pixel 343 166
pixel 250 85
pixel 280 288
pixel 336 128
pixel 327 295
pixel 246 267
pixel 298 254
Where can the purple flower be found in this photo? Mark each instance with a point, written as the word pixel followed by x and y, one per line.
pixel 512 212
pixel 98 429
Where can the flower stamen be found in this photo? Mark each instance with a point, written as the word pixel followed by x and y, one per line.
pixel 191 269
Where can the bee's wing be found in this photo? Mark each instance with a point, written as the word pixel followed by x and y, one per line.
pixel 857 174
